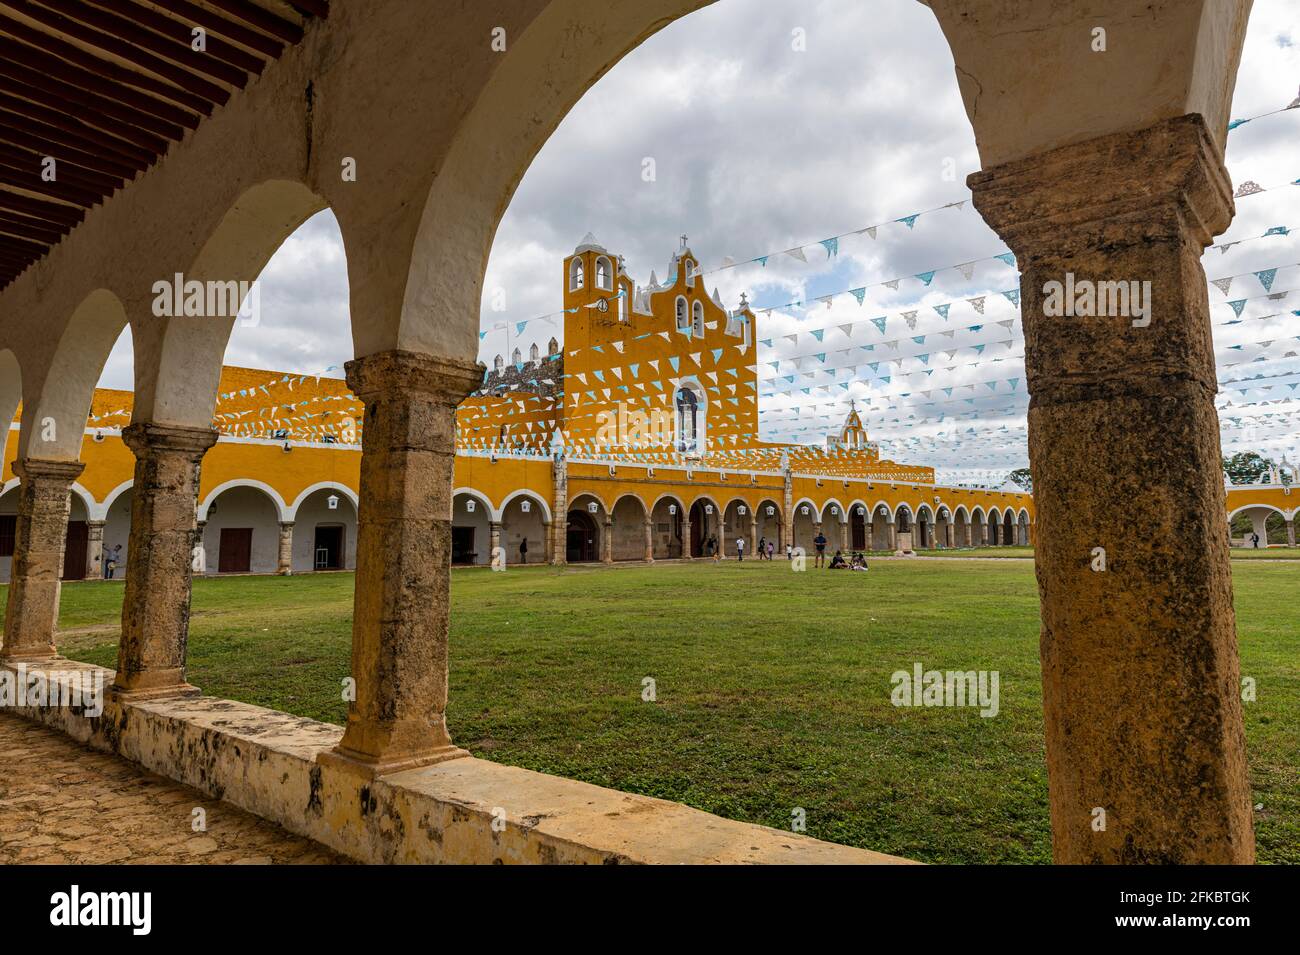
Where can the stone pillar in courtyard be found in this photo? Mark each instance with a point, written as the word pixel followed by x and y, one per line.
pixel 156 602
pixel 686 538
pixel 1141 682
pixel 401 608
pixel 494 541
pixel 607 542
pixel 40 533
pixel 95 550
pixel 892 528
pixel 753 533
pixel 558 544
pixel 844 535
pixel 649 541
pixel 787 510
pixel 967 534
pixel 1290 532
pixel 949 533
pixel 284 561
pixel 548 542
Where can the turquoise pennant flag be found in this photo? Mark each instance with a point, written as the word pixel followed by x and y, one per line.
pixel 818 333
pixel 859 294
pixel 943 310
pixel 1013 296
pixel 926 277
pixel 908 221
pixel 832 246
pixel 879 323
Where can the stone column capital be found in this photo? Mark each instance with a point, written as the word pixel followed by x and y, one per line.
pixel 40 469
pixel 95 524
pixel 146 437
pixel 1164 182
pixel 447 379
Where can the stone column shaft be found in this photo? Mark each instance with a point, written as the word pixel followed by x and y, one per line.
pixel 402 609
pixel 1290 533
pixel 548 542
pixel 752 546
pixel 156 602
pixel 649 541
pixel 686 538
pixel 558 542
pixel 494 540
pixel 1141 682
pixel 94 550
pixel 41 532
pixel 967 534
pixel 607 542
pixel 949 534
pixel 285 558
pixel 893 535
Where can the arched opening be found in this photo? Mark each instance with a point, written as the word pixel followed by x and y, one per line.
pixel 804 528
pixel 629 518
pixel 924 527
pixel 691 404
pixel 858 527
pixel 737 525
pixel 961 527
pixel 769 527
pixel 979 530
pixel 471 528
pixel 1022 527
pixel 325 532
pixel 241 531
pixel 8 530
pixel 117 535
pixel 523 529
pixel 943 536
pixel 1008 528
pixel 706 528
pixel 668 516
pixel 881 525
pixel 604 276
pixel 586 530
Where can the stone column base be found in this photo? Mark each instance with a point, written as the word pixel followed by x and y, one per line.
pixel 358 764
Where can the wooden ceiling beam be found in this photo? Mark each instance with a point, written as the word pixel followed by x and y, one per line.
pixel 99 107
pixel 55 212
pixel 85 198
pixel 188 89
pixel 150 30
pixel 85 116
pixel 98 80
pixel 32 229
pixel 193 15
pixel 314 8
pixel 41 147
pixel 22 160
pixel 19 124
pixel 261 18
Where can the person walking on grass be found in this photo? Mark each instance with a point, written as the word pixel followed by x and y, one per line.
pixel 740 548
pixel 523 551
pixel 762 547
pixel 771 546
pixel 819 542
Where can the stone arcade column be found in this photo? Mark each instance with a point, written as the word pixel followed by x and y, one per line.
pixel 1141 682
pixel 844 535
pixel 967 534
pixel 494 540
pixel 686 538
pixel 401 609
pixel 558 542
pixel 548 542
pixel 95 550
pixel 893 535
pixel 949 533
pixel 156 602
pixel 649 541
pixel 1290 532
pixel 41 532
pixel 285 562
pixel 752 546
pixel 607 542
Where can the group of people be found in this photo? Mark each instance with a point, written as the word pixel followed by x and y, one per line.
pixel 856 562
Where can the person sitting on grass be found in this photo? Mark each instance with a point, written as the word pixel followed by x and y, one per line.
pixel 859 562
pixel 837 562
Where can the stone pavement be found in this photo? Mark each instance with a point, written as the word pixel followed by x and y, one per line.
pixel 63 803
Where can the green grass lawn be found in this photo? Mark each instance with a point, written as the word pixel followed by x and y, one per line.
pixel 773 688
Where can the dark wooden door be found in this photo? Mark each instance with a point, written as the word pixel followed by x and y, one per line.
pixel 74 551
pixel 236 553
pixel 859 532
pixel 580 543
pixel 462 545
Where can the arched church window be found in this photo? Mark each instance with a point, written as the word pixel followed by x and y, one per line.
pixel 576 276
pixel 622 305
pixel 683 314
pixel 603 277
pixel 688 410
pixel 697 319
pixel 689 265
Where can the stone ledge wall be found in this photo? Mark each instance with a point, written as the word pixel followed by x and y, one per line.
pixel 264 761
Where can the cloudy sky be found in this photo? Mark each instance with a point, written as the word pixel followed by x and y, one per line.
pixel 759 147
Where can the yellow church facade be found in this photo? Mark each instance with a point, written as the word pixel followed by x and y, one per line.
pixel 636 441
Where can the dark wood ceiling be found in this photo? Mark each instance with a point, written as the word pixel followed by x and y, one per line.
pixel 105 87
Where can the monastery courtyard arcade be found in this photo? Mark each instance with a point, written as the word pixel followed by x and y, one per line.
pixel 1108 166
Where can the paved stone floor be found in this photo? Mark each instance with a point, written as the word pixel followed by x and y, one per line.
pixel 63 803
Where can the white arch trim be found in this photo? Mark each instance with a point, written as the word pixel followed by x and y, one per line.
pixel 272 493
pixel 493 514
pixel 816 512
pixel 532 496
pixel 875 511
pixel 841 517
pixel 671 499
pixel 291 512
pixel 1267 507
pixel 101 510
pixel 604 505
pixel 961 509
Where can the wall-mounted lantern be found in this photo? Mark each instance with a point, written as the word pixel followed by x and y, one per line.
pixel 525 506
pixel 672 508
pixel 708 508
pixel 332 502
pixel 469 506
pixel 741 509
pixel 593 507
pixel 804 509
pixel 770 510
pixel 860 511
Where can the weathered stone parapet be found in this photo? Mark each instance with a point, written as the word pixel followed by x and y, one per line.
pixel 284 562
pixel 156 602
pixel 40 534
pixel 459 811
pixel 401 616
pixel 1139 651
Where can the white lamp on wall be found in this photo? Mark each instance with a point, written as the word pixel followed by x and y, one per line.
pixel 332 502
pixel 469 506
pixel 525 506
pixel 593 507
pixel 770 510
